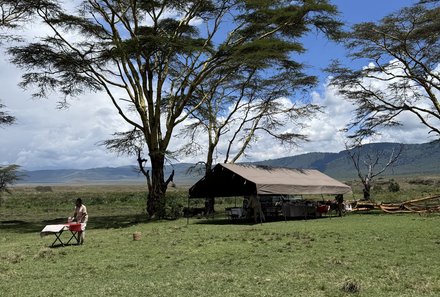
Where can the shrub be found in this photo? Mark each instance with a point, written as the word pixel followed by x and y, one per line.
pixel 422 181
pixel 393 186
pixel 351 286
pixel 42 189
pixel 377 189
pixel 173 209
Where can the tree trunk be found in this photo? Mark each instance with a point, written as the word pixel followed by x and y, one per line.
pixel 209 202
pixel 340 201
pixel 157 188
pixel 366 191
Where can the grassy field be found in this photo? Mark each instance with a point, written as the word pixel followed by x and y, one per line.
pixel 369 254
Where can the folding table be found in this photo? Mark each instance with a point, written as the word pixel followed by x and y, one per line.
pixel 57 230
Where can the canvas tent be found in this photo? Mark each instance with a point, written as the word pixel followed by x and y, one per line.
pixel 227 180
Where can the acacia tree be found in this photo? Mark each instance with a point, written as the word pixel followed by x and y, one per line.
pixel 9 175
pixel 244 106
pixel 371 163
pixel 155 55
pixel 403 52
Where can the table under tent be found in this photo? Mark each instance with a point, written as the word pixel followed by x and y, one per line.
pixel 278 192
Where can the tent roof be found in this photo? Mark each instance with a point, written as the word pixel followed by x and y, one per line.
pixel 226 180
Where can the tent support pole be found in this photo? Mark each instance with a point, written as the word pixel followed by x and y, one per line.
pixel 187 215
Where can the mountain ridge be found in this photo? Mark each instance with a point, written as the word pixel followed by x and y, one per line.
pixel 415 159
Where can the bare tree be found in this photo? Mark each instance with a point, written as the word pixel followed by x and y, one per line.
pixel 371 163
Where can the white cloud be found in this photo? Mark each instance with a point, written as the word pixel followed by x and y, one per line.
pixel 411 131
pixel 45 137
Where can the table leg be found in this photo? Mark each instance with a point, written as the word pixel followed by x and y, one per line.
pixel 74 235
pixel 57 235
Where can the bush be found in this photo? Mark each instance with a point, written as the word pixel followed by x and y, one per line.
pixel 422 181
pixel 351 286
pixel 377 189
pixel 172 207
pixel 43 189
pixel 393 186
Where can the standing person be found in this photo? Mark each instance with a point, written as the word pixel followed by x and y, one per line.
pixel 340 200
pixel 255 205
pixel 81 216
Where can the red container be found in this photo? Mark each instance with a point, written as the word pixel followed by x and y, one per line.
pixel 323 209
pixel 75 227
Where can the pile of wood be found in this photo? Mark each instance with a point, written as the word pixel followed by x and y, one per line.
pixel 423 205
pixel 362 205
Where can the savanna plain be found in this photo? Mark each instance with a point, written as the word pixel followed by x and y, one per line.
pixel 359 254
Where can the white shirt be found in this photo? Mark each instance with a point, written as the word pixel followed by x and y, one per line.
pixel 80 214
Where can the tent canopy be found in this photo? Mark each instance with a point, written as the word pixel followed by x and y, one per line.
pixel 226 180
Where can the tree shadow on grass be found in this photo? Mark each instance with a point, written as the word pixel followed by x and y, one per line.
pixel 122 221
pixel 99 222
pixel 19 226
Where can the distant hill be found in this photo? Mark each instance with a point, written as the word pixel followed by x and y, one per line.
pixel 105 175
pixel 416 159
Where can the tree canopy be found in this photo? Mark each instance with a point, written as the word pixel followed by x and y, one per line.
pixel 150 57
pixel 245 106
pixel 402 52
pixel 5 117
pixel 13 13
pixel 8 176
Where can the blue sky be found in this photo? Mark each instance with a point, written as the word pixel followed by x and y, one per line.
pixel 320 51
pixel 47 138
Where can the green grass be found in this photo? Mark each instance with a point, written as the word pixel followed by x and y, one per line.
pixel 358 255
